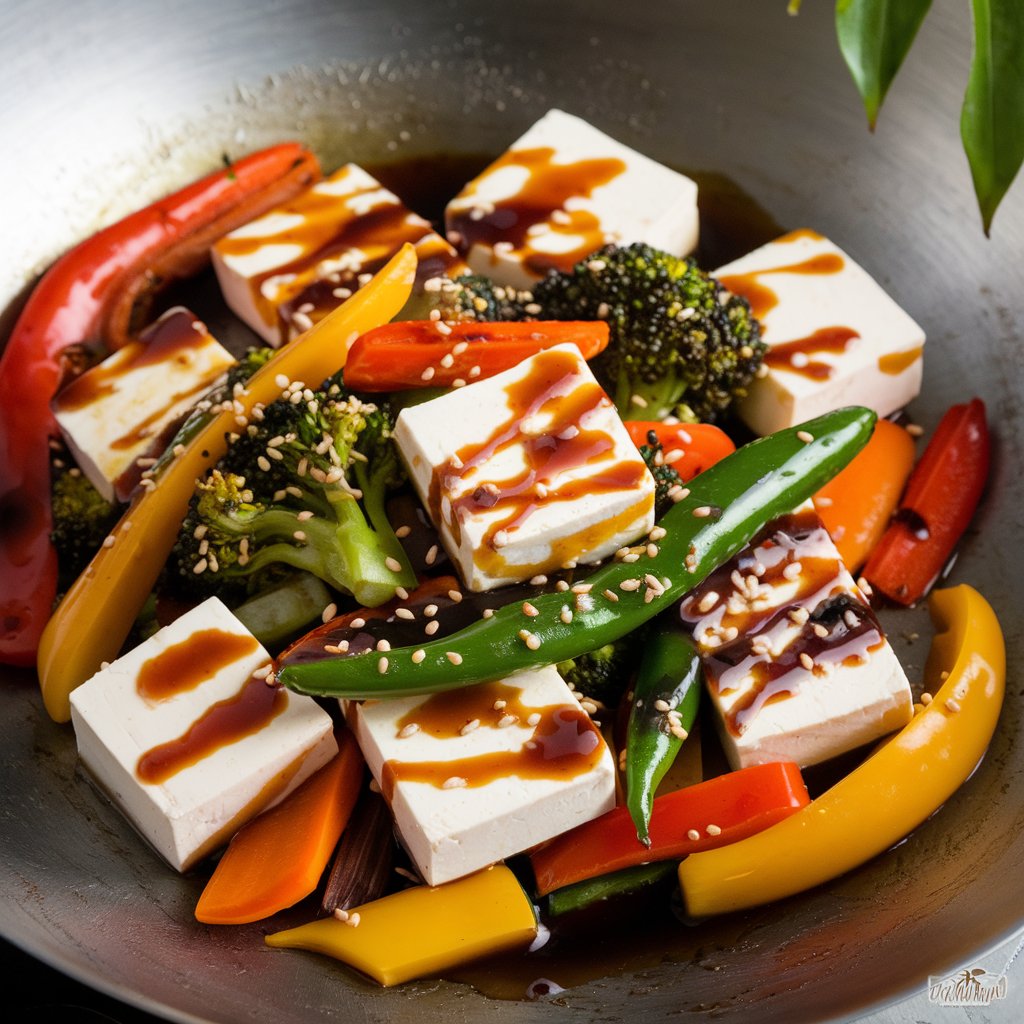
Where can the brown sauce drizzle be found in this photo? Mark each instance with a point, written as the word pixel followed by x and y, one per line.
pixel 371 237
pixel 547 189
pixel 794 356
pixel 184 666
pixel 172 337
pixel 224 723
pixel 769 677
pixel 145 429
pixel 894 363
pixel 554 392
pixel 763 299
pixel 564 744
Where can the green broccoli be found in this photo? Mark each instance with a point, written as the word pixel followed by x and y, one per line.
pixel 468 297
pixel 304 486
pixel 665 476
pixel 680 346
pixel 603 674
pixel 82 519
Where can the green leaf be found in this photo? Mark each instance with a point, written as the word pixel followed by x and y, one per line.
pixel 874 37
pixel 992 120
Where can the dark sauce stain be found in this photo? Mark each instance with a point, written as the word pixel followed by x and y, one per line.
pixel 186 665
pixel 796 356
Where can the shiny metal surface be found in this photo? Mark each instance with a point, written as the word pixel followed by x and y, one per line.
pixel 110 105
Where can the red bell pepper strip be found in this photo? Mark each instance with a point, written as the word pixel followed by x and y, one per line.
pixel 941 496
pixel 91 295
pixel 701 444
pixel 710 814
pixel 425 353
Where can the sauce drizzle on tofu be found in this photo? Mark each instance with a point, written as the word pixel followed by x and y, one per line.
pixel 184 666
pixel 761 298
pixel 795 356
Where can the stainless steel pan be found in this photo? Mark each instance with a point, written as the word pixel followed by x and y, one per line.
pixel 106 104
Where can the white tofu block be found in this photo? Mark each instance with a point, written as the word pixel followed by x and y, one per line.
pixel 470 784
pixel 795 662
pixel 288 269
pixel 111 414
pixel 563 190
pixel 265 741
pixel 834 336
pixel 527 471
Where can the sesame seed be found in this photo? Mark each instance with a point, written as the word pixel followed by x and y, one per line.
pixel 431 627
pixel 459 348
pixel 263 671
pixel 329 612
pixel 652 550
pixel 702 511
pixel 708 601
pixel 582 588
pixel 410 730
pixel 793 570
pixel 447 361
pixel 455 595
pixel 474 371
pixel 630 558
pixel 430 611
pixel 713 830
pixel 299 535
pixel 401 593
pixel 914 429
pixel 534 719
pixel 200 567
pixel 799 615
pixel 357 623
pixel 926 698
pixel 506 720
pixel 529 609
pixel 469 727
pixel 532 641
pixel 500 539
pixel 658 533
pixel 454 657
pixel 455 782
pixel 353 919
pixel 538 581
pixel 822 501
pixel 820 630
pixel 565 614
pixel 865 587
pixel 393 564
pixel 418 656
pixel 487 613
pixel 611 595
pixel 108 542
pixel 952 706
pixel 692 834
pixel 341 915
pixel 662 705
pixel 431 556
pixel 678 731
pixel 807 661
pixel 639 401
pixel 428 373
pixel 562 586
pixel 403 531
pixel 383 645
pixel 405 613
pixel 382 666
pixel 443 328
pixel 629 585
pixel 803 435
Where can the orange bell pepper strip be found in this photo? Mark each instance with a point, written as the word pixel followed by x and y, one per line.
pixel 721 810
pixel 277 858
pixel 94 618
pixel 93 296
pixel 699 445
pixel 943 491
pixel 425 353
pixel 857 504
pixel 900 785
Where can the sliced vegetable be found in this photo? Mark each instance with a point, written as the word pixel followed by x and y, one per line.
pixel 700 445
pixel 723 509
pixel 721 810
pixel 424 930
pixel 891 793
pixel 278 858
pixel 427 353
pixel 92 621
pixel 857 504
pixel 941 496
pixel 94 295
pixel 362 867
pixel 666 695
pixel 629 882
pixel 276 615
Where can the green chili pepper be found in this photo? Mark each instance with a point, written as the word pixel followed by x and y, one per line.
pixel 627 882
pixel 666 696
pixel 718 515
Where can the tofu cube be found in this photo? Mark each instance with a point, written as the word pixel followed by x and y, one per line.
pixel 527 471
pixel 112 414
pixel 479 774
pixel 834 336
pixel 796 664
pixel 188 790
pixel 563 190
pixel 286 270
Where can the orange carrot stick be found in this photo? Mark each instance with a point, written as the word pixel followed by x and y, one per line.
pixel 278 858
pixel 857 504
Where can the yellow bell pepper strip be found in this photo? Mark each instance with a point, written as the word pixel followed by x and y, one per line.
pixel 890 793
pixel 92 621
pixel 424 930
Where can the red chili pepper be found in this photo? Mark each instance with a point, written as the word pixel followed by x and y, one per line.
pixel 93 295
pixel 721 810
pixel 702 444
pixel 941 496
pixel 422 353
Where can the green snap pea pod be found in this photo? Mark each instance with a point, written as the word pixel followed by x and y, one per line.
pixel 631 882
pixel 718 515
pixel 666 696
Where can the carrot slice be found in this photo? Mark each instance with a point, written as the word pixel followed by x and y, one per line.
pixel 425 353
pixel 278 858
pixel 699 445
pixel 857 504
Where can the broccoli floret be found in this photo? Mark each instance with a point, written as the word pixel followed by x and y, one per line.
pixel 82 519
pixel 679 345
pixel 467 297
pixel 603 674
pixel 665 475
pixel 304 487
